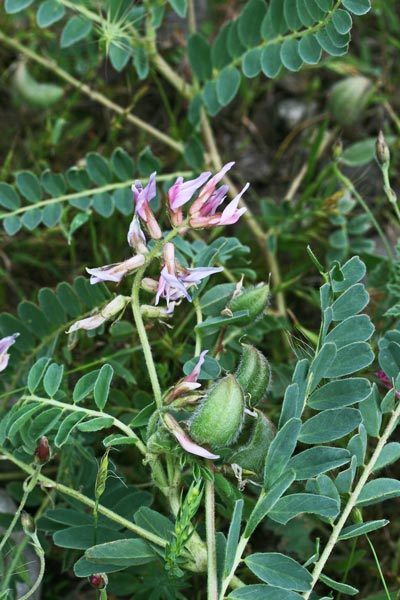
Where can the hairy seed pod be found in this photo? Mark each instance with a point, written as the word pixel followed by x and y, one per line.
pixel 252 454
pixel 253 374
pixel 218 421
pixel 253 300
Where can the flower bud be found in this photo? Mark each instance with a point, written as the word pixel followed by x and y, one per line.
pixel 253 374
pixel 382 150
pixel 98 581
pixel 252 454
pixel 28 524
pixel 356 515
pixel 42 451
pixel 155 312
pixel 253 300
pixel 108 311
pixel 219 419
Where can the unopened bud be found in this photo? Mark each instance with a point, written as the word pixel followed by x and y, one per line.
pixel 108 311
pixel 155 312
pixel 218 421
pixel 98 581
pixel 253 300
pixel 382 150
pixel 42 451
pixel 337 150
pixel 253 374
pixel 356 515
pixel 149 285
pixel 28 524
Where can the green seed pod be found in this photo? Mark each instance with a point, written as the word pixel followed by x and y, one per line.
pixel 253 300
pixel 251 456
pixel 36 94
pixel 348 99
pixel 218 421
pixel 253 374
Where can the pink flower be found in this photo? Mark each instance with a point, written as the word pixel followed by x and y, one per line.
pixel 206 215
pixel 188 383
pixel 184 440
pixel 381 375
pixel 175 279
pixel 142 196
pixel 116 271
pixel 5 344
pixel 180 193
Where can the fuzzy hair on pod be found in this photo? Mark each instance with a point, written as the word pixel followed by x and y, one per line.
pixel 219 418
pixel 253 374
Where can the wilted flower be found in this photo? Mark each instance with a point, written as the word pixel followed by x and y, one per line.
pixel 5 343
pixel 188 383
pixel 107 312
pixel 184 440
pixel 142 196
pixel 42 451
pixel 181 192
pixel 136 238
pixel 175 279
pixel 116 271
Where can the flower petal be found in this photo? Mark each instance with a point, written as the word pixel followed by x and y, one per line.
pixel 193 375
pixel 185 441
pixel 181 192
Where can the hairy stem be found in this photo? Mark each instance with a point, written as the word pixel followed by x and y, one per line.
pixel 320 564
pixel 63 489
pixel 40 554
pixel 92 413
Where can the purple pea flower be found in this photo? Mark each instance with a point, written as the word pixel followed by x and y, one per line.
pixel 207 215
pixel 108 311
pixel 184 440
pixel 142 196
pixel 116 271
pixel 175 279
pixel 5 344
pixel 136 238
pixel 180 193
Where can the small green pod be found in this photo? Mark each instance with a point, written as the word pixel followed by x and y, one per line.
pixel 252 454
pixel 40 95
pixel 254 300
pixel 219 419
pixel 253 374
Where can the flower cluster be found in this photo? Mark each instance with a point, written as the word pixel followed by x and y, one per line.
pixel 175 279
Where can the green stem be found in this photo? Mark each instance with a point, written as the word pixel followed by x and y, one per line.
pixel 92 94
pixel 98 190
pixel 212 580
pixel 320 564
pixel 379 568
pixel 29 485
pixel 92 413
pixel 349 185
pixel 199 319
pixel 63 489
pixel 144 340
pixel 40 554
